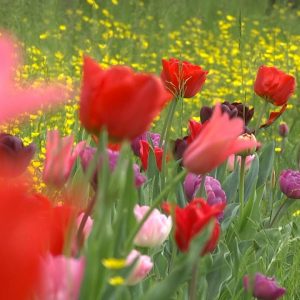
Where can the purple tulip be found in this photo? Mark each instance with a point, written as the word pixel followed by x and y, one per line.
pixel 179 147
pixel 88 154
pixel 289 182
pixel 135 144
pixel 213 189
pixel 263 287
pixel 14 156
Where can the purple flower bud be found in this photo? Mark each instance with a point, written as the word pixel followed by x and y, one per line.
pixel 88 154
pixel 289 182
pixel 14 156
pixel 283 130
pixel 135 144
pixel 213 189
pixel 263 287
pixel 179 147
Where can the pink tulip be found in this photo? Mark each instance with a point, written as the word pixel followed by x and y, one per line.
pixel 142 267
pixel 215 143
pixel 230 161
pixel 60 278
pixel 155 230
pixel 15 100
pixel 60 158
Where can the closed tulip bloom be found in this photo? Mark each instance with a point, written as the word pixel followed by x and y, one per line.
pixel 119 100
pixel 155 230
pixel 145 149
pixel 60 158
pixel 135 144
pixel 263 287
pixel 14 156
pixel 142 267
pixel 192 219
pixel 182 78
pixel 283 130
pixel 230 162
pixel 274 85
pixel 179 147
pixel 61 278
pixel 217 140
pixel 289 182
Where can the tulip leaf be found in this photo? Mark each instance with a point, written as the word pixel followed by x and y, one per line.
pixel 251 178
pixel 266 161
pixel 182 270
pixel 230 185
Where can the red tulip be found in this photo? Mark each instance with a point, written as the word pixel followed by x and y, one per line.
pixel 217 140
pixel 192 219
pixel 144 155
pixel 274 85
pixel 182 78
pixel 29 228
pixel 119 100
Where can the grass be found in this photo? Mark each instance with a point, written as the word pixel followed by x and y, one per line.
pixel 231 39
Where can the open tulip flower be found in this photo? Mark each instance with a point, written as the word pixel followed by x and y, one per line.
pixel 217 140
pixel 103 105
pixel 182 78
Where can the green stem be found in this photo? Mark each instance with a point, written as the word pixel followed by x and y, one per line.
pixel 278 212
pixel 242 183
pixel 193 283
pixel 166 138
pixel 262 112
pixel 167 121
pixel 156 203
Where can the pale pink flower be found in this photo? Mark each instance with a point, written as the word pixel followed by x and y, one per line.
pixel 143 266
pixel 60 158
pixel 155 230
pixel 215 143
pixel 61 278
pixel 230 161
pixel 16 100
pixel 88 226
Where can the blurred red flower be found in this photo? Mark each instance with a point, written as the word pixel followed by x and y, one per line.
pixel 192 219
pixel 29 227
pixel 274 85
pixel 123 102
pixel 182 78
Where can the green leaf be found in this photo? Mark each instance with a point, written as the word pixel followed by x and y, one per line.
pixel 182 270
pixel 251 178
pixel 230 185
pixel 266 161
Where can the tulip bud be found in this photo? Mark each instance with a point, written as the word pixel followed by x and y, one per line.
pixel 247 137
pixel 142 267
pixel 179 147
pixel 61 277
pixel 155 230
pixel 263 287
pixel 14 156
pixel 283 130
pixel 289 182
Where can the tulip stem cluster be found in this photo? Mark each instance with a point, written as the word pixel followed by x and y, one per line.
pixel 193 283
pixel 242 184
